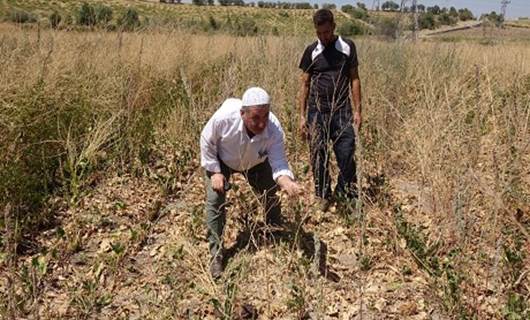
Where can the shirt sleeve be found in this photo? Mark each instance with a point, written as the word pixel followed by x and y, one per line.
pixel 277 158
pixel 354 63
pixel 208 143
pixel 306 61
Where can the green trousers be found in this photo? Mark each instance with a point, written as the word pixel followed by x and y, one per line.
pixel 260 179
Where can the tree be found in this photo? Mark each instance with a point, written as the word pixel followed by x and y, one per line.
pixel 453 12
pixel 421 8
pixel 493 17
pixel 465 14
pixel 390 6
pixel 329 6
pixel 361 6
pixel 198 2
pixel 434 10
pixel 315 6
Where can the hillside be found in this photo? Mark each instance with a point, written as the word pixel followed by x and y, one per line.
pixel 237 20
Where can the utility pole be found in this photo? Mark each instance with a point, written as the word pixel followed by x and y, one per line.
pixel 504 4
pixel 401 10
pixel 375 5
pixel 416 24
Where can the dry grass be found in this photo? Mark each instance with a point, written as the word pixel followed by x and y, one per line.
pixel 489 35
pixel 103 195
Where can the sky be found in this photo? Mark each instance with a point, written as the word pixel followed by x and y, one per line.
pixel 516 9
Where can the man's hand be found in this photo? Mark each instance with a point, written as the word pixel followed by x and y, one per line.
pixel 357 120
pixel 292 188
pixel 302 128
pixel 218 182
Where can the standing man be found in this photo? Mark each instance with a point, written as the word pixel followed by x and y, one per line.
pixel 243 136
pixel 330 73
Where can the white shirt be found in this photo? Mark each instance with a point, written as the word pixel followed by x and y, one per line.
pixel 225 137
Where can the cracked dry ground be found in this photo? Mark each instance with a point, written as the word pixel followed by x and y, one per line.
pixel 128 251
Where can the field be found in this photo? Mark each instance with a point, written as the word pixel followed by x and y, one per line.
pixel 185 16
pixel 101 193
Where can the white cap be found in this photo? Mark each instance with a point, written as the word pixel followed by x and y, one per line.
pixel 255 96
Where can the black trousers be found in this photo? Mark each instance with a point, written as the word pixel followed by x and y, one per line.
pixel 333 128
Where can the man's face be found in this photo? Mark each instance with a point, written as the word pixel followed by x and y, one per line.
pixel 325 33
pixel 255 118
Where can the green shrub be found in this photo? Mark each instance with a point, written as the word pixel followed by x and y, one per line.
pixel 103 14
pixel 55 19
pixel 213 24
pixel 350 28
pixel 21 16
pixel 446 19
pixel 387 27
pixel 86 16
pixel 129 20
pixel 427 21
pixel 245 26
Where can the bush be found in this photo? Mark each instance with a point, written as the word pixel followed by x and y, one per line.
pixel 446 19
pixel 387 27
pixel 355 12
pixel 359 14
pixel 494 18
pixel 243 27
pixel 55 19
pixel 129 19
pixel 346 8
pixel 465 14
pixel 103 14
pixel 427 21
pixel 350 28
pixel 213 23
pixel 86 15
pixel 21 16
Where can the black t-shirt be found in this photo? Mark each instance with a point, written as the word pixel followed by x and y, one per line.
pixel 329 68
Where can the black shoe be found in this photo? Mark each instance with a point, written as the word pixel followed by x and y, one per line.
pixel 216 267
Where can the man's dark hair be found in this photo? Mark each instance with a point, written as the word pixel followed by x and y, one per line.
pixel 322 16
